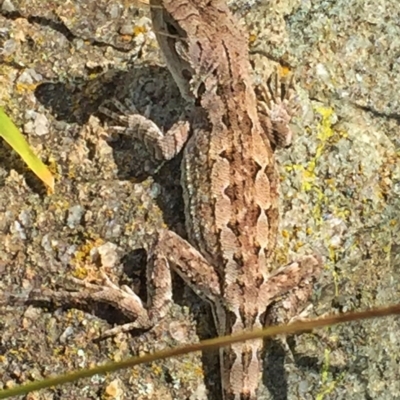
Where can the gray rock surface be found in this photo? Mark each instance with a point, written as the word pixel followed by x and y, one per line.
pixel 340 193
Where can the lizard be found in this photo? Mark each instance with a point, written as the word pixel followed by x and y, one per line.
pixel 229 179
pixel 230 187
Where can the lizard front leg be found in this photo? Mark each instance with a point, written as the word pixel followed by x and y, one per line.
pixel 276 107
pixel 163 145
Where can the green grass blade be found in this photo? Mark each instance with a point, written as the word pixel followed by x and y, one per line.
pixel 10 133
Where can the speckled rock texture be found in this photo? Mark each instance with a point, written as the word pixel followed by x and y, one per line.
pixel 339 194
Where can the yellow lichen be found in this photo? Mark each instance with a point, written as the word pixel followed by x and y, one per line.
pixel 252 38
pixel 283 71
pixel 25 87
pixel 139 29
pixel 82 256
pixel 156 369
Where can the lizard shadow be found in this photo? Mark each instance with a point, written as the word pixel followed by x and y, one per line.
pixel 274 374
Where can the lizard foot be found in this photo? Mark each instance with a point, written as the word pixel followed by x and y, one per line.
pixel 276 107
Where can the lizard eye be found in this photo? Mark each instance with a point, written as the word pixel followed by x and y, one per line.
pixel 172 29
pixel 172 26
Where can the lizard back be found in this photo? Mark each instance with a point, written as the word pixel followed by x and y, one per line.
pixel 229 173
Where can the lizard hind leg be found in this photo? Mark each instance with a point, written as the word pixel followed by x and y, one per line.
pixel 294 305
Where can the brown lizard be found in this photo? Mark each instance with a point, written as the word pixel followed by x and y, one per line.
pixel 230 181
pixel 230 185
